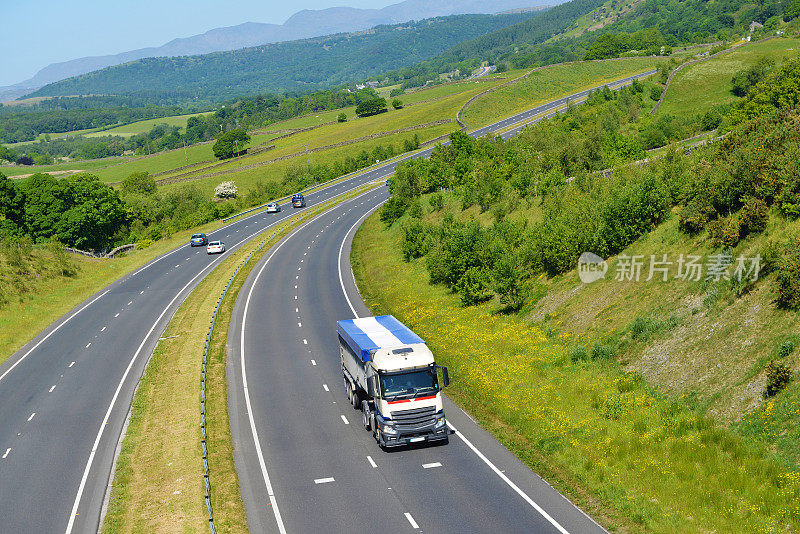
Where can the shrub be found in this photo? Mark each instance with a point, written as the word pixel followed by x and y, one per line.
pixel 225 190
pixel 786 348
pixel 474 286
pixel 754 216
pixel 694 216
pixel 61 258
pixel 342 117
pixel 394 208
pixel 655 93
pixel 397 103
pixel 602 352
pixel 578 354
pixel 415 210
pixel 396 92
pixel 416 240
pixel 436 201
pixel 724 232
pixel 788 276
pixel 778 377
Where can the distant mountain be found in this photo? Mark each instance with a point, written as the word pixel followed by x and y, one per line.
pixel 301 25
pixel 303 65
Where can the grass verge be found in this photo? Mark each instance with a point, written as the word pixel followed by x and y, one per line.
pixel 631 457
pixel 158 481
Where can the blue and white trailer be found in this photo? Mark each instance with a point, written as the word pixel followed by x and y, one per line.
pixel 391 376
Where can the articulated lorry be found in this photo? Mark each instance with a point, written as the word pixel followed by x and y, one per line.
pixel 391 376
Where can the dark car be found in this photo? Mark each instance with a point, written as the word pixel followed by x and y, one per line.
pixel 298 201
pixel 198 240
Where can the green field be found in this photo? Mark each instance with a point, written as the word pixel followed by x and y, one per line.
pixel 698 88
pixel 549 83
pixel 16 170
pixel 144 126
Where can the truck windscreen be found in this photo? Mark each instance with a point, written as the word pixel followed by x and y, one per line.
pixel 411 384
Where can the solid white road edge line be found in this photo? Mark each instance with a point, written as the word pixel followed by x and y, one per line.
pixel 45 338
pixel 507 480
pixel 103 425
pixel 339 261
pixel 480 455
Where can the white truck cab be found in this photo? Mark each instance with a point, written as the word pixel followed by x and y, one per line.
pixel 390 374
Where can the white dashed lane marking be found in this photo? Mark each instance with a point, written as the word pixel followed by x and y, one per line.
pixel 325 387
pixel 70 365
pixel 6 453
pixel 431 465
pixel 323 480
pixel 371 462
pixel 411 520
pixel 313 362
pixel 52 388
pixel 344 419
pixel 88 344
pixel 32 416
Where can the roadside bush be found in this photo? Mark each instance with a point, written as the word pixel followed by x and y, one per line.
pixel 778 377
pixel 788 276
pixel 754 216
pixel 474 286
pixel 416 240
pixel 724 232
pixel 415 210
pixel 394 208
pixel 61 259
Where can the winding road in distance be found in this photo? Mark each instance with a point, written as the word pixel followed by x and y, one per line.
pixel 64 398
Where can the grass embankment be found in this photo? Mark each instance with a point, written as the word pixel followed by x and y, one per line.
pixel 37 295
pixel 158 483
pixel 550 83
pixel 698 88
pixel 631 457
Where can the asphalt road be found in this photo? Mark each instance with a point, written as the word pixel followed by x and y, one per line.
pixel 64 397
pixel 325 472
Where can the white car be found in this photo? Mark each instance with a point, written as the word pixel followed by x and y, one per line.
pixel 273 207
pixel 215 247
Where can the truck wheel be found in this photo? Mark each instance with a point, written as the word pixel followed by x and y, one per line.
pixel 366 416
pixel 355 400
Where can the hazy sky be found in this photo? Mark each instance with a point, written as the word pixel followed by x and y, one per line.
pixel 35 33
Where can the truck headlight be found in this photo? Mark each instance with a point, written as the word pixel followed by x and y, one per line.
pixel 386 429
pixel 440 422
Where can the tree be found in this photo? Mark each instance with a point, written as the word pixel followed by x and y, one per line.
pixel 397 104
pixel 225 190
pixel 230 143
pixel 371 107
pixel 139 182
pixel 12 205
pixel 342 117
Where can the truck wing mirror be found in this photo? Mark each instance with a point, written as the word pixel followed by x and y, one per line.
pixel 371 386
pixel 445 376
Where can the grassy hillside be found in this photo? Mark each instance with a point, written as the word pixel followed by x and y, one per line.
pixel 145 126
pixel 647 390
pixel 556 80
pixel 698 88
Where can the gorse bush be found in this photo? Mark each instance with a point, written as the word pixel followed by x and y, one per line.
pixel 788 276
pixel 778 377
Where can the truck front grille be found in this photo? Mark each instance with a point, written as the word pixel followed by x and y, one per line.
pixel 414 418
